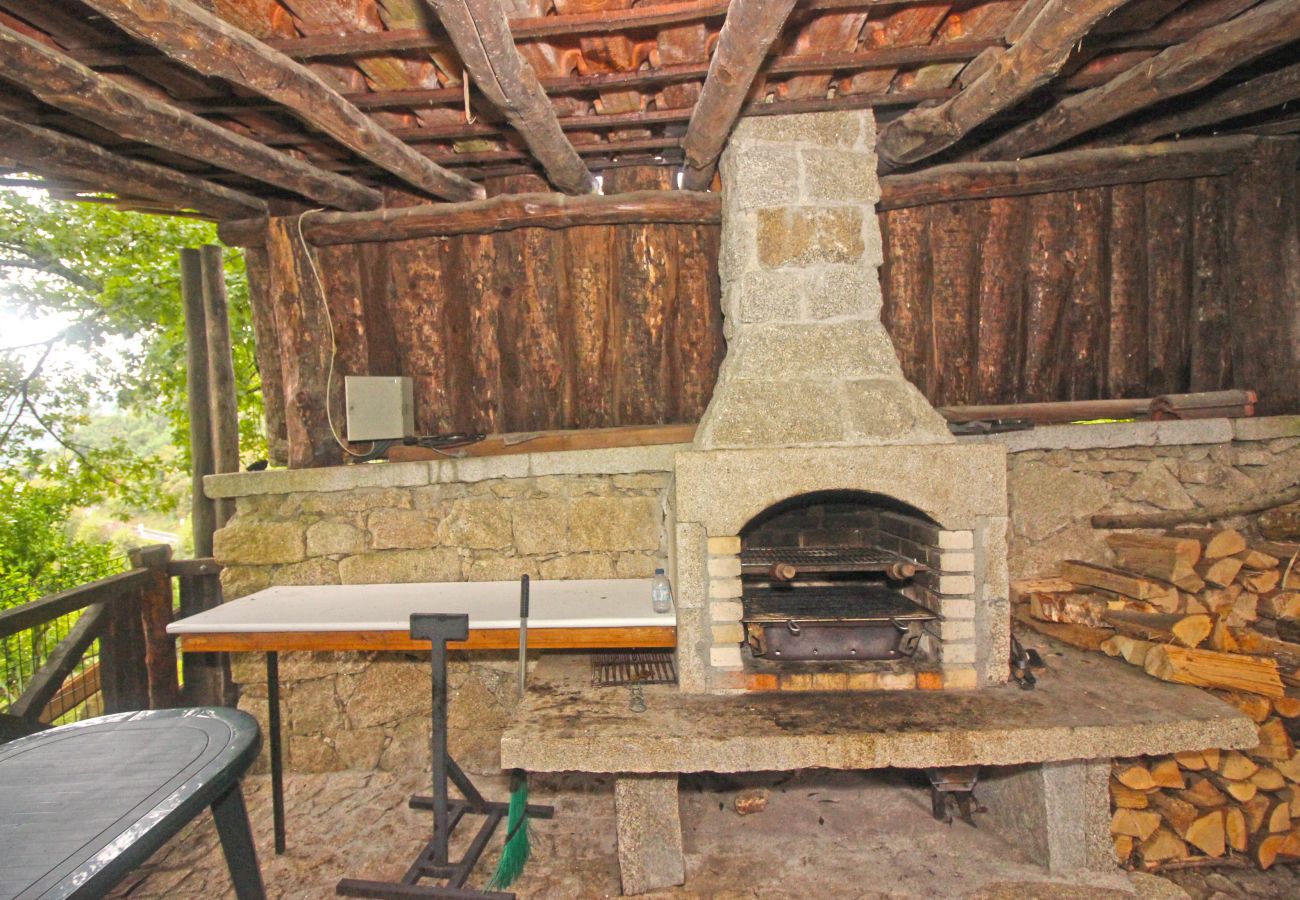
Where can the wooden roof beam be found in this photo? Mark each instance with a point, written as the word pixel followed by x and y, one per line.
pixel 747 33
pixel 57 155
pixel 503 213
pixel 1179 70
pixel 481 34
pixel 1251 96
pixel 1041 48
pixel 209 45
pixel 70 86
pixel 1068 171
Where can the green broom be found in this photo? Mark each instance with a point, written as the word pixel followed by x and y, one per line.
pixel 514 855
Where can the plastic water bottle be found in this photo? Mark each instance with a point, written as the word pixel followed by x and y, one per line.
pixel 661 592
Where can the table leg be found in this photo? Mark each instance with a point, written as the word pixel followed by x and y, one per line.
pixel 277 764
pixel 237 843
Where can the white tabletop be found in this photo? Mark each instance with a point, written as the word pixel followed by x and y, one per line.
pixel 491 605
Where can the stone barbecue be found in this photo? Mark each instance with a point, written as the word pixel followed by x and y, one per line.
pixel 815 445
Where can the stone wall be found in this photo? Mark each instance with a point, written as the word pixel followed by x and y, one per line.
pixel 1059 477
pixel 595 514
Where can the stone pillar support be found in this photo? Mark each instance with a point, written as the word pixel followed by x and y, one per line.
pixel 1057 812
pixel 649 832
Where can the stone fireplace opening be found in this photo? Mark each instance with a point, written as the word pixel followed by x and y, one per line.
pixel 825 582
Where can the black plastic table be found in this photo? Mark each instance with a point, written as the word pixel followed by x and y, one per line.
pixel 84 804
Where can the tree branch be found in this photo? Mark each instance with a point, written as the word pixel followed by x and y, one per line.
pixel 50 267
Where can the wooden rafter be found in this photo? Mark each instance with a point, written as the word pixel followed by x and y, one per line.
pixel 59 155
pixel 1040 51
pixel 70 86
pixel 481 34
pixel 749 30
pixel 1251 96
pixel 211 46
pixel 1179 70
pixel 502 213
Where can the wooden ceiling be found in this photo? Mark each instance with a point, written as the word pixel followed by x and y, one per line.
pixel 234 107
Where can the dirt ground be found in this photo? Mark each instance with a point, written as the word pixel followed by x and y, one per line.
pixel 822 835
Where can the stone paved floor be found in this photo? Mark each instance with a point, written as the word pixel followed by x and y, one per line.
pixel 823 835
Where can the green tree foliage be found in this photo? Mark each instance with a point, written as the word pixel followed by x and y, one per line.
pixel 114 278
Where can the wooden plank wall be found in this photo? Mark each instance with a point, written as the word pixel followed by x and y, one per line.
pixel 522 330
pixel 1125 291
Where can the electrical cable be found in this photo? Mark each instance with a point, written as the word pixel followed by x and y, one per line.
pixel 334 347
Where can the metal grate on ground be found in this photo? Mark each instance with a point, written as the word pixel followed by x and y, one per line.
pixel 611 668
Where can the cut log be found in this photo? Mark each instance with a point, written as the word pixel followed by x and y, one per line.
pixel 747 33
pixel 1236 766
pixel 1127 798
pixel 1162 596
pixel 1166 774
pixel 1209 668
pixel 1278 818
pixel 1274 742
pixel 1191 760
pixel 1251 641
pixel 1024 587
pixel 1221 637
pixel 1124 845
pixel 1080 636
pixel 1136 823
pixel 1202 793
pixel 1224 543
pixel 1212 756
pixel 1220 572
pixel 1073 609
pixel 1188 631
pixel 1132 650
pixel 1256 811
pixel 1265 849
pixel 1262 582
pixel 1134 776
pixel 1178 814
pixel 1240 791
pixel 1234 826
pixel 1208 834
pixel 1283 605
pixel 1170 559
pixel 1291 846
pixel 1287 707
pixel 1258 708
pixel 1268 779
pixel 1281 523
pixel 1290 768
pixel 214 47
pixel 1178 70
pixel 1257 559
pixel 1245 610
pixel 1163 845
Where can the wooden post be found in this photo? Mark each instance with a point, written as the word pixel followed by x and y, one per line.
pixel 202 511
pixel 124 674
pixel 206 676
pixel 155 615
pixel 224 406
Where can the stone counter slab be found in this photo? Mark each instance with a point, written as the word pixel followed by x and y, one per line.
pixel 1086 706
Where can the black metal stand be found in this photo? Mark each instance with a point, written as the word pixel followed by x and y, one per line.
pixel 277 762
pixel 953 790
pixel 433 861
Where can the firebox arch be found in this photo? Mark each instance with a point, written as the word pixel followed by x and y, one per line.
pixel 834 497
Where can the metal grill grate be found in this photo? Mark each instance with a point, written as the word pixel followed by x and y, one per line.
pixel 824 559
pixel 612 668
pixel 846 602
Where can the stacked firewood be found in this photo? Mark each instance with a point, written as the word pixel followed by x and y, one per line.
pixel 1203 608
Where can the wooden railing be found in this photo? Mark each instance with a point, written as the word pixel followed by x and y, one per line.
pixel 127 614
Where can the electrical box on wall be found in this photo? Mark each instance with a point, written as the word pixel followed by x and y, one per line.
pixel 380 408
